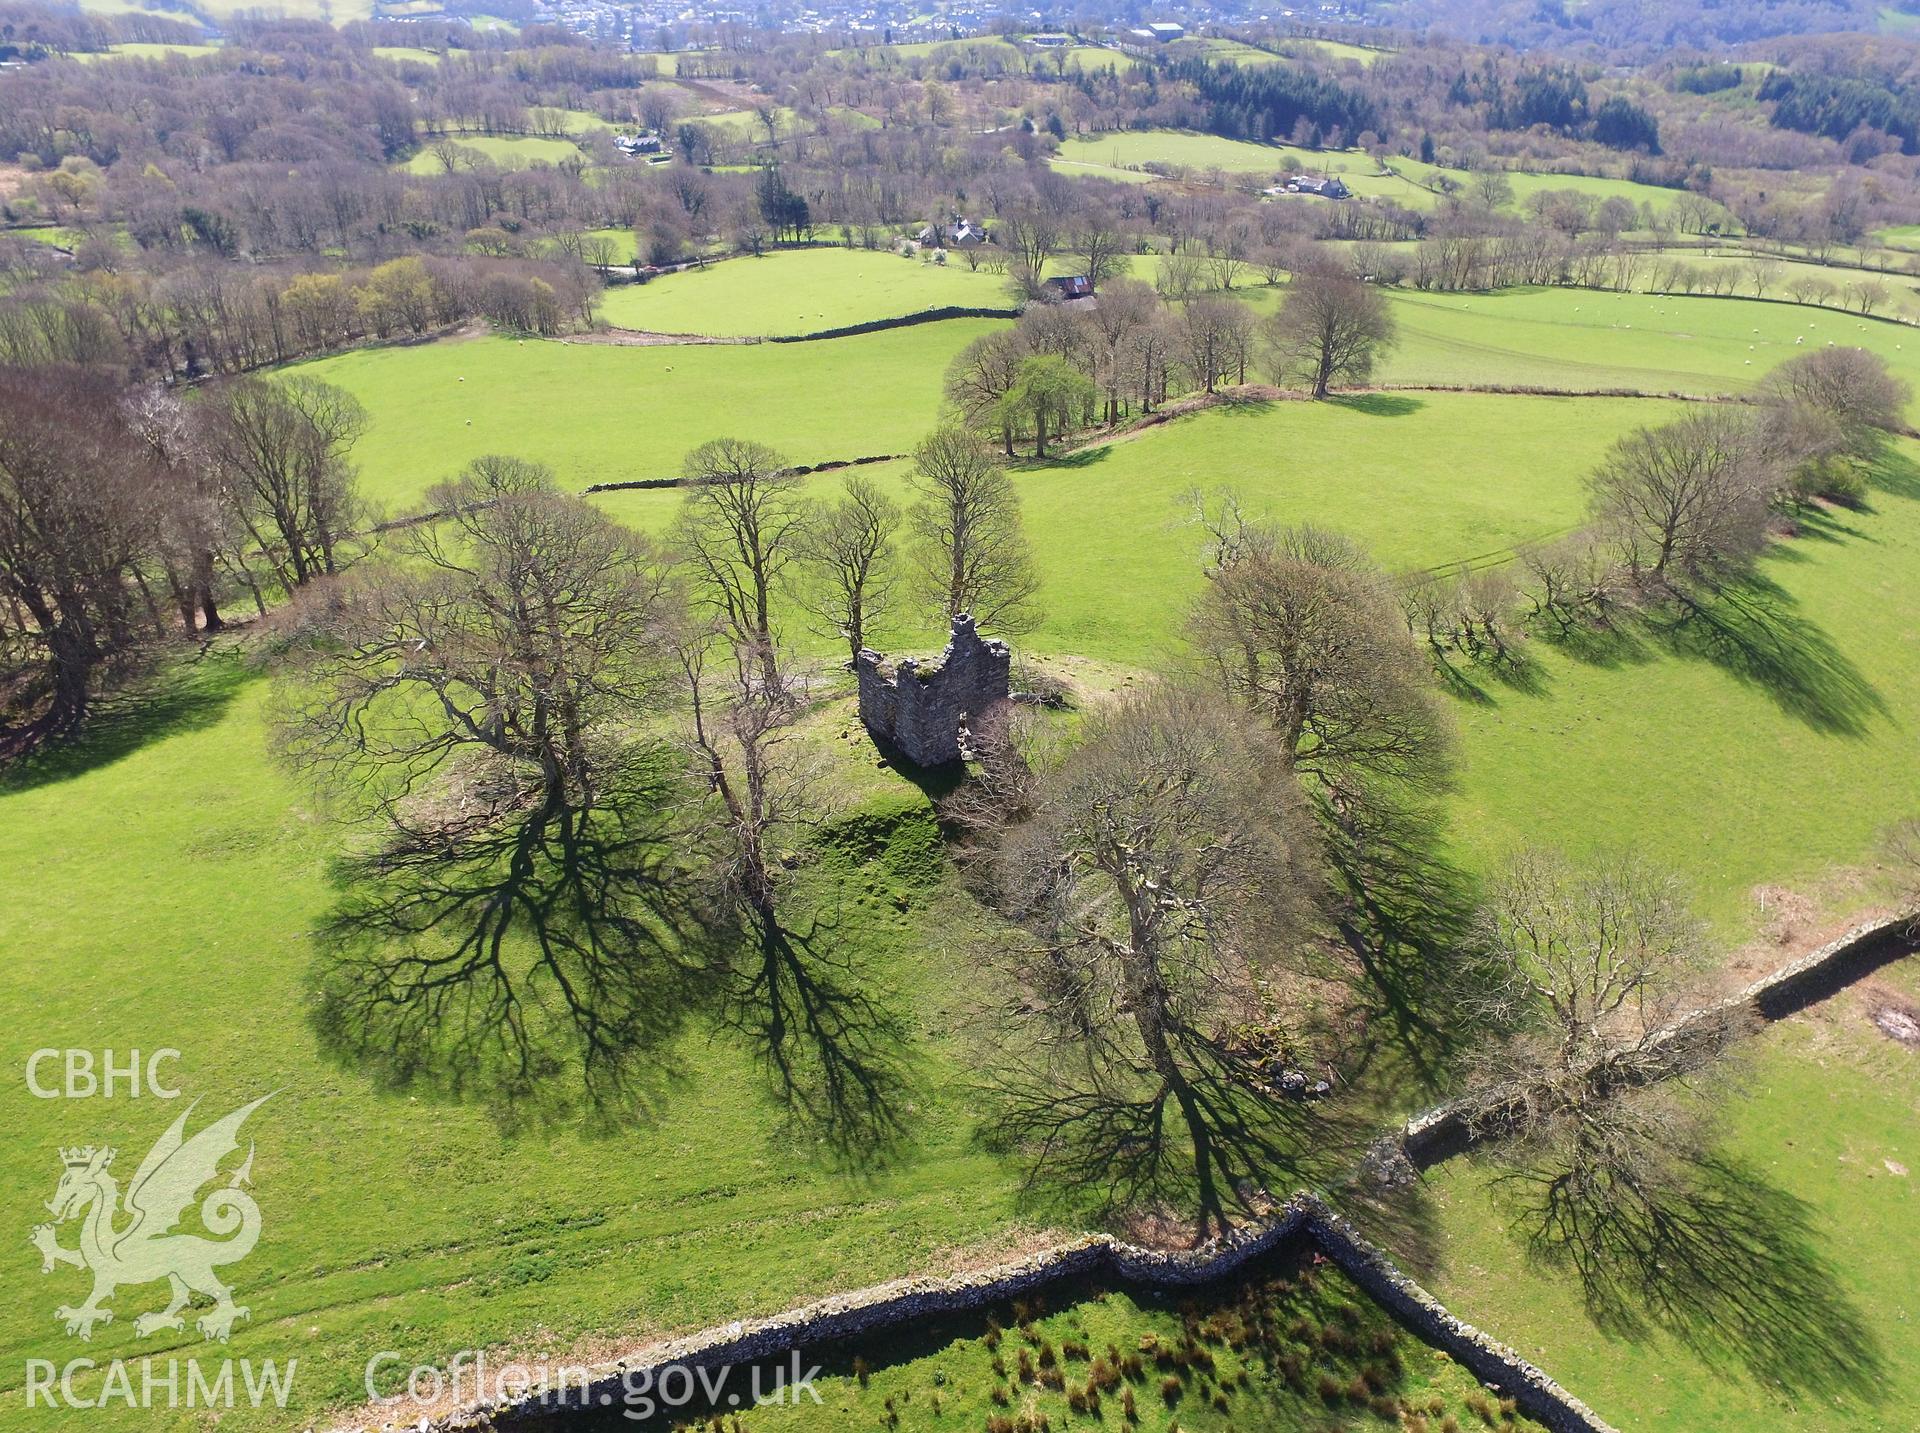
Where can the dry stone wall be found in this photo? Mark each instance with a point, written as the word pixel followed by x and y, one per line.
pixel 1442 1132
pixel 889 1306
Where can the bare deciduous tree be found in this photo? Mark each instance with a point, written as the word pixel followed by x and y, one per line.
pixel 825 1035
pixel 281 448
pixel 1166 868
pixel 1301 629
pixel 981 376
pixel 1829 412
pixel 1592 1099
pixel 76 517
pixel 1688 500
pixel 851 549
pixel 514 921
pixel 1329 330
pixel 195 526
pixel 973 554
pixel 741 527
pixel 1101 244
pixel 1215 335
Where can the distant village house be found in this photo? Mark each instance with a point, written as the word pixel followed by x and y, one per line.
pixel 1326 186
pixel 961 233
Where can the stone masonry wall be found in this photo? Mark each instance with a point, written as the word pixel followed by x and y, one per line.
pixel 918 707
pixel 1438 1134
pixel 888 1306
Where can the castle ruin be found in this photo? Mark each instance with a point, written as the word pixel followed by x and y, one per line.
pixel 919 708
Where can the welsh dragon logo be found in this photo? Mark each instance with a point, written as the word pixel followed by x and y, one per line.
pixel 142 1249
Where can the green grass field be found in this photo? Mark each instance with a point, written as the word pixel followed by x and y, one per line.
pixel 1099 57
pixel 395 1222
pixel 1900 299
pixel 605 413
pixel 626 243
pixel 1340 50
pixel 59 235
pixel 210 875
pixel 414 53
pixel 1133 148
pixel 1410 184
pixel 1590 758
pixel 744 124
pixel 165 877
pixel 1220 50
pixel 1589 339
pixel 507 151
pixel 144 51
pixel 800 291
pixel 1829 1119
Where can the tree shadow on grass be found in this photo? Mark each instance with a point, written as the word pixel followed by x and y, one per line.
pixel 538 965
pixel 1823 524
pixel 1243 405
pixel 1055 462
pixel 1404 912
pixel 1750 630
pixel 833 1050
pixel 181 698
pixel 1380 405
pixel 1729 1265
pixel 552 963
pixel 1893 472
pixel 1209 1140
pixel 1607 645
pixel 1481 683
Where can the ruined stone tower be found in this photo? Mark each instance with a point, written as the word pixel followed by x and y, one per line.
pixel 919 707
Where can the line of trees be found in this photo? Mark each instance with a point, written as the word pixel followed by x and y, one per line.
pixel 1677 513
pixel 1064 367
pixel 118 508
pixel 212 317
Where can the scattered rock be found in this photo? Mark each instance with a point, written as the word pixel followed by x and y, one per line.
pixel 1898 1025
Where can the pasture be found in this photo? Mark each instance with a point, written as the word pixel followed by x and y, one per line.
pixel 1769 749
pixel 800 291
pixel 1337 50
pixel 1411 184
pixel 409 53
pixel 599 412
pixel 1822 1139
pixel 1187 149
pixel 1584 339
pixel 395 1221
pixel 1776 779
pixel 506 151
pixel 144 51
